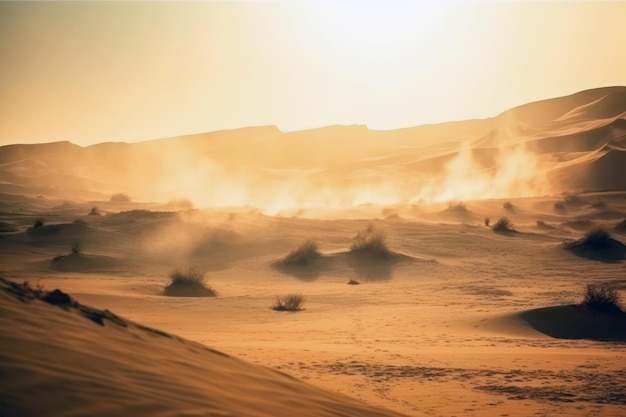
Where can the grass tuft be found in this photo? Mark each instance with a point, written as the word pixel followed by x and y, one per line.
pixel 597 238
pixel 188 283
pixel 289 302
pixel 601 299
pixel 303 255
pixel 503 225
pixel 120 197
pixel 371 241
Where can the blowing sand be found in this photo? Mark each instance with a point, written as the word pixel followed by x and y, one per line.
pixel 467 321
pixel 452 317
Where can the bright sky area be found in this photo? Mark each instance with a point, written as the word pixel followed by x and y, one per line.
pixel 93 72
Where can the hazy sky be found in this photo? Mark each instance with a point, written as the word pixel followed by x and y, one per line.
pixel 116 71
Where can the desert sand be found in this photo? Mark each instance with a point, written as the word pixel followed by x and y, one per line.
pixel 457 319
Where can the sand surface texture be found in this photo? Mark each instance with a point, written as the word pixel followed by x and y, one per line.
pixel 450 317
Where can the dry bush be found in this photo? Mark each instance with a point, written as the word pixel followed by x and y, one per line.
pixel 304 254
pixel 120 198
pixel 597 238
pixel 95 211
pixel 459 207
pixel 354 282
pixel 507 205
pixel 289 302
pixel 77 248
pixel 503 225
pixel 371 241
pixel 188 283
pixel 560 206
pixel 601 299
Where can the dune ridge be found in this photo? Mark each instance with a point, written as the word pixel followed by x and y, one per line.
pixel 572 142
pixel 56 363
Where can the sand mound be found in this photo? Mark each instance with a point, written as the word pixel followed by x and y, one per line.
pixel 598 245
pixel 57 363
pixel 80 262
pixel 576 322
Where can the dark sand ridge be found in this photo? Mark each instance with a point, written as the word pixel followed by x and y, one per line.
pixel 61 358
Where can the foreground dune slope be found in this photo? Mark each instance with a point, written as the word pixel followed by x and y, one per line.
pixel 60 358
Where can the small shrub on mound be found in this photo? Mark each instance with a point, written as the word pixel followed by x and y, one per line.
pixel 598 204
pixel 77 248
pixel 38 223
pixel 289 302
pixel 120 197
pixel 189 283
pixel 458 207
pixel 95 211
pixel 508 206
pixel 597 238
pixel 560 206
pixel 371 241
pixel 353 282
pixel 601 299
pixel 503 225
pixel 304 254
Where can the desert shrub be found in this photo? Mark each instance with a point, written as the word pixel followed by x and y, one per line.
pixel 371 241
pixel 507 205
pixel 487 221
pixel 353 282
pixel 38 223
pixel 304 254
pixel 289 302
pixel 560 206
pixel 601 298
pixel 120 198
pixel 598 204
pixel 95 211
pixel 597 238
pixel 188 283
pixel 503 225
pixel 457 207
pixel 77 248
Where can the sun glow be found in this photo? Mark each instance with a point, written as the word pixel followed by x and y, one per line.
pixel 373 41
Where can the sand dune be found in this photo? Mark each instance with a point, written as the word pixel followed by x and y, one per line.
pixel 62 358
pixel 451 318
pixel 288 170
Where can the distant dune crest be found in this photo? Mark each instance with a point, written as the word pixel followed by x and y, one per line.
pixel 576 142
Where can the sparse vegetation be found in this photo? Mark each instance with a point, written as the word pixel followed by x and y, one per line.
pixel 459 207
pixel 503 225
pixel 354 282
pixel 560 206
pixel 77 248
pixel 601 299
pixel 371 241
pixel 487 221
pixel 597 238
pixel 508 206
pixel 598 204
pixel 289 302
pixel 95 211
pixel 120 198
pixel 38 223
pixel 188 283
pixel 303 255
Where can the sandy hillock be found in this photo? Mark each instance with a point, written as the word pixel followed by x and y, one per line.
pixel 61 358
